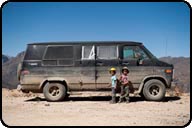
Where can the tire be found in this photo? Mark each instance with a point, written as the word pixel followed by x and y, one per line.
pixel 154 90
pixel 54 91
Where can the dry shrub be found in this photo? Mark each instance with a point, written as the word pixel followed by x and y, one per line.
pixel 15 94
pixel 178 91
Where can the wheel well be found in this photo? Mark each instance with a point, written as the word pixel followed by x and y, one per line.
pixel 150 78
pixel 51 81
pixel 157 78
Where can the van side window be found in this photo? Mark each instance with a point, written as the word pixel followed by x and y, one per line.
pixel 133 52
pixel 58 55
pixel 128 52
pixel 34 52
pixel 88 52
pixel 139 53
pixel 107 52
pixel 59 52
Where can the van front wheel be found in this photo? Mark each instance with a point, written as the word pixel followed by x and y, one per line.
pixel 54 91
pixel 154 90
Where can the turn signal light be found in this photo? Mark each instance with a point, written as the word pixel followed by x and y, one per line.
pixel 168 71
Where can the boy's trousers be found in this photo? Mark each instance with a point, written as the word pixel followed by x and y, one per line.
pixel 124 92
pixel 113 92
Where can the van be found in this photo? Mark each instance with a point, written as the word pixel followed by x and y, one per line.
pixel 57 68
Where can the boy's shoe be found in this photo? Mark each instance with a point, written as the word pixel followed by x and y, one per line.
pixel 127 101
pixel 112 102
pixel 120 100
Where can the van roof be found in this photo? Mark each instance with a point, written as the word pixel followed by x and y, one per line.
pixel 87 42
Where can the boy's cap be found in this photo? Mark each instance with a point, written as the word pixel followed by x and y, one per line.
pixel 125 68
pixel 112 69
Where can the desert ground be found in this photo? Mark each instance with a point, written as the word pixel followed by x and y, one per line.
pixel 93 108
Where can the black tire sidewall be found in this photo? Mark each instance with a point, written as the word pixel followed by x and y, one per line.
pixel 61 95
pixel 147 94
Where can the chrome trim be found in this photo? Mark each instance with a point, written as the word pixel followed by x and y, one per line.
pixel 173 75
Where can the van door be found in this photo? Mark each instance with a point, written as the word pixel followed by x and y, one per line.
pixel 107 57
pixel 88 67
pixel 138 63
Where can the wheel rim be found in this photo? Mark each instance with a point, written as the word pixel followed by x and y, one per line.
pixel 54 91
pixel 154 90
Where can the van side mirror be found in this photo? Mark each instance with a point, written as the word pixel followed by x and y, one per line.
pixel 140 61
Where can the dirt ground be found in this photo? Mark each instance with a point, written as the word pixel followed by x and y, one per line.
pixel 93 108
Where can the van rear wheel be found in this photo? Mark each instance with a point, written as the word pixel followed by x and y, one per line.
pixel 54 91
pixel 154 90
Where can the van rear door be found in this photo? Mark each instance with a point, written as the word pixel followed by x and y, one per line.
pixel 88 67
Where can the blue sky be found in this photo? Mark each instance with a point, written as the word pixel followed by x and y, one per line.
pixel 154 24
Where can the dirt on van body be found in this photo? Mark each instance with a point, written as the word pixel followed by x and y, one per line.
pixel 93 108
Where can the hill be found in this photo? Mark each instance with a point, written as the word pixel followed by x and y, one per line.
pixel 9 71
pixel 5 58
pixel 182 71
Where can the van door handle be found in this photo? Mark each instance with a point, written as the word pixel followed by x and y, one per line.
pixel 99 63
pixel 125 63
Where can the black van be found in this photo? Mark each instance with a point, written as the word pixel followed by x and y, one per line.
pixel 56 68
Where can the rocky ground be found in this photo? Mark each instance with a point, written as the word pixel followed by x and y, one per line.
pixel 88 108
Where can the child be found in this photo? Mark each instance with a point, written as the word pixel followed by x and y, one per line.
pixel 124 85
pixel 113 84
